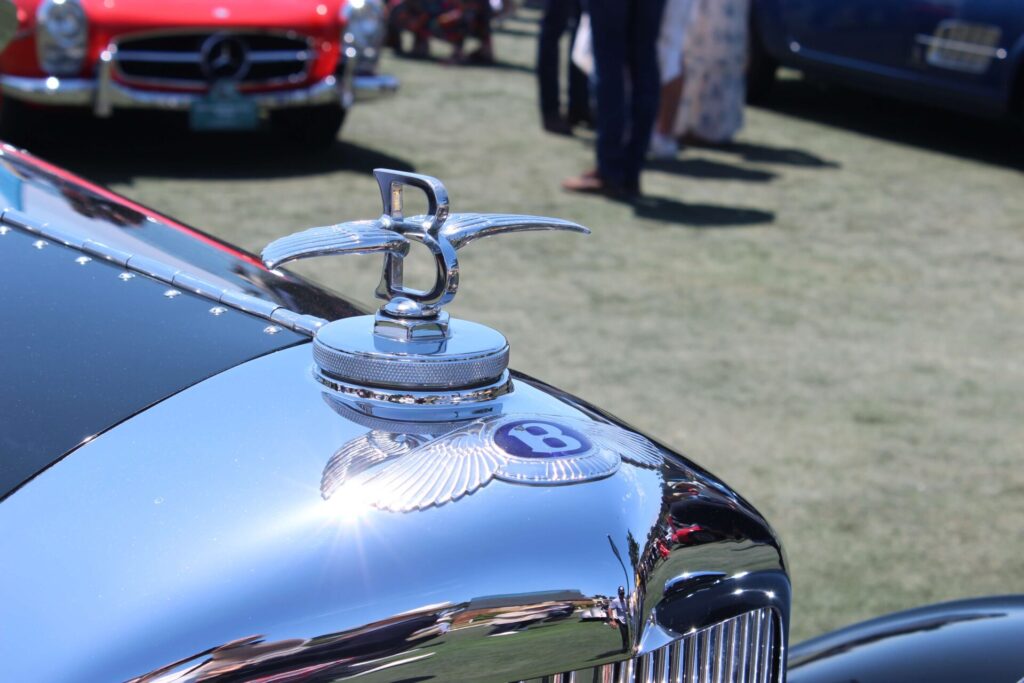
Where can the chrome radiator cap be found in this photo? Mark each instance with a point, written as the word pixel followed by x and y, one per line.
pixel 411 353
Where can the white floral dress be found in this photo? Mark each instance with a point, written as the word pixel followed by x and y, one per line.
pixel 715 63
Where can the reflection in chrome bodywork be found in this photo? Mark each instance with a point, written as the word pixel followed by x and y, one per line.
pixel 210 553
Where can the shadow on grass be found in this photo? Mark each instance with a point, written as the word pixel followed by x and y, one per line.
pixel 701 216
pixel 765 154
pixel 785 156
pixel 710 170
pixel 906 123
pixel 132 145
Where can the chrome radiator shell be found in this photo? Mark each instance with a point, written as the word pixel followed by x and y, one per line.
pixel 744 649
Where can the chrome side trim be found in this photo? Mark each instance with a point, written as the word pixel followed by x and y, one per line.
pixel 157 270
pixel 961 46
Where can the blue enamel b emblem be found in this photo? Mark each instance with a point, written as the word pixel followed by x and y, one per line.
pixel 540 439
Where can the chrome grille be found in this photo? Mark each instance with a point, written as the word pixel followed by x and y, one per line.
pixel 745 649
pixel 177 58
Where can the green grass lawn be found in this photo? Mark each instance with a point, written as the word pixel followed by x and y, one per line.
pixel 829 314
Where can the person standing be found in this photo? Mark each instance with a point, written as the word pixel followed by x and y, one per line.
pixel 452 21
pixel 671 52
pixel 560 16
pixel 625 36
pixel 714 95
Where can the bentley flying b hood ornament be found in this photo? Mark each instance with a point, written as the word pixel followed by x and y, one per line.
pixel 411 352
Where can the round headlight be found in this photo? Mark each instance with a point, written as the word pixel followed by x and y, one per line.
pixel 61 35
pixel 364 29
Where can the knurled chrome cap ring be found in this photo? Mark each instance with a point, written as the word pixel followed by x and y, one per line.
pixel 472 356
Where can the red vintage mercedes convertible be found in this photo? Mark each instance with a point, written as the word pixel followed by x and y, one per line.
pixel 296 65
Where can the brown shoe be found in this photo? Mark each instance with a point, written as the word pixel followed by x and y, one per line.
pixel 591 182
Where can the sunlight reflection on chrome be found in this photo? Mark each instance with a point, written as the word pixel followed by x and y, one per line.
pixel 348 503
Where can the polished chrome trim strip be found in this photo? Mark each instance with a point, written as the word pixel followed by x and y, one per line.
pixel 256 57
pixel 274 56
pixel 156 56
pixel 153 268
pixel 961 46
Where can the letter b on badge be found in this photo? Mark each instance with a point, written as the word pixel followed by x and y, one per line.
pixel 534 439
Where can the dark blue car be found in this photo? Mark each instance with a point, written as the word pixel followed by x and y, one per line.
pixel 960 54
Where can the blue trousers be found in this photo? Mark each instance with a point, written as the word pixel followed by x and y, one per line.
pixel 627 84
pixel 560 16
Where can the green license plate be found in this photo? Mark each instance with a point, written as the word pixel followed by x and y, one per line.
pixel 224 109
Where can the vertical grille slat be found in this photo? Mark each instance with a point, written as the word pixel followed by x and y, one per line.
pixel 675 663
pixel 742 646
pixel 744 649
pixel 659 665
pixel 767 648
pixel 729 660
pixel 707 657
pixel 755 648
pixel 718 660
pixel 692 661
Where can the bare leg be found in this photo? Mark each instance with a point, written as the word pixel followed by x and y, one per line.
pixel 663 141
pixel 671 94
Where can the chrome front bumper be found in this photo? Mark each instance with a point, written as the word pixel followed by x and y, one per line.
pixel 372 86
pixel 104 95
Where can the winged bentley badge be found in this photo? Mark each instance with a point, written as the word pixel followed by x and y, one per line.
pixel 411 354
pixel 402 472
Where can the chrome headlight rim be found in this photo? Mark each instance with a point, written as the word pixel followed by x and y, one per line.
pixel 62 33
pixel 363 32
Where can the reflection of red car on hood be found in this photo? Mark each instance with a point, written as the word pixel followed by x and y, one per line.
pixel 683 534
pixel 228 64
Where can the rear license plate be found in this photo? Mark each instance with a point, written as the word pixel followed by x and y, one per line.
pixel 224 108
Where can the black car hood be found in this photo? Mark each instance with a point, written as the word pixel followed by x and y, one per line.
pixel 85 344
